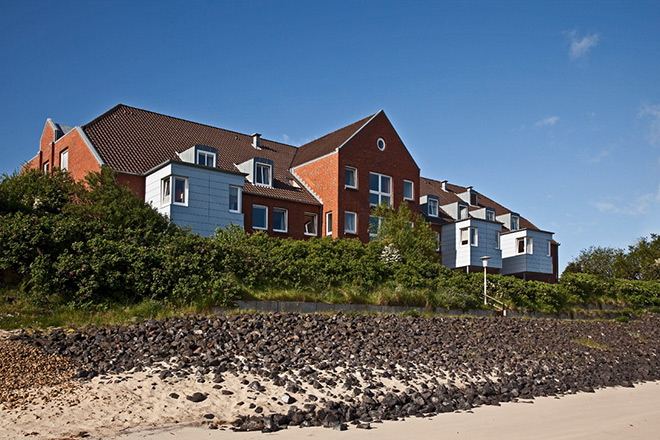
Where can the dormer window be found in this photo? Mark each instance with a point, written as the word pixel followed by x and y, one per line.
pixel 490 215
pixel 263 174
pixel 515 223
pixel 462 212
pixel 206 158
pixel 432 207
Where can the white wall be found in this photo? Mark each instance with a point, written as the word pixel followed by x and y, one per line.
pixel 456 255
pixel 539 261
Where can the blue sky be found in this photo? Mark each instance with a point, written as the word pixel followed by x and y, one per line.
pixel 552 109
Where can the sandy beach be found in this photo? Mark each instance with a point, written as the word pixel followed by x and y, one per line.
pixel 610 413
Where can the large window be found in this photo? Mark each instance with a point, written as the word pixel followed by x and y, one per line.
pixel 234 198
pixel 280 220
pixel 525 245
pixel 328 223
pixel 380 189
pixel 350 177
pixel 469 236
pixel 263 174
pixel 206 158
pixel 174 189
pixel 259 217
pixel 432 205
pixel 350 222
pixel 64 159
pixel 311 222
pixel 408 190
pixel 374 225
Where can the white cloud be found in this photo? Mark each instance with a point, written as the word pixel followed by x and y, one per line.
pixel 653 113
pixel 549 121
pixel 580 47
pixel 596 158
pixel 639 206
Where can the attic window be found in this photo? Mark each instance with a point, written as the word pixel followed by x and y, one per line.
pixel 263 174
pixel 432 205
pixel 381 144
pixel 206 158
pixel 515 223
pixel 490 215
pixel 462 212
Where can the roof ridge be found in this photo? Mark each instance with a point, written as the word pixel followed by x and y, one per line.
pixel 116 107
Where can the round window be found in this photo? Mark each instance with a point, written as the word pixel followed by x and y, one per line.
pixel 381 144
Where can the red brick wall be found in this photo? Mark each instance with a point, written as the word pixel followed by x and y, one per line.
pixel 135 183
pixel 296 215
pixel 81 159
pixel 322 176
pixel 361 152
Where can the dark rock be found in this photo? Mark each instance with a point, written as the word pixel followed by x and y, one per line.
pixel 196 397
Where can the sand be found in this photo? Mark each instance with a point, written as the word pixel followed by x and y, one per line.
pixel 611 413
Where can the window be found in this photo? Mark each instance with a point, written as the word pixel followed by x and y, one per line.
pixel 497 239
pixel 350 222
pixel 259 217
pixel 46 166
pixel 408 190
pixel 234 198
pixel 462 212
pixel 490 215
pixel 165 192
pixel 350 177
pixel 469 236
pixel 432 205
pixel 328 223
pixel 465 237
pixel 515 222
pixel 380 189
pixel 311 222
pixel 280 220
pixel 180 190
pixel 437 242
pixel 206 158
pixel 64 159
pixel 174 189
pixel 549 248
pixel 381 144
pixel 262 174
pixel 374 224
pixel 525 245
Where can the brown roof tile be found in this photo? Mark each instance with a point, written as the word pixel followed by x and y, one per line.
pixel 135 141
pixel 434 187
pixel 328 143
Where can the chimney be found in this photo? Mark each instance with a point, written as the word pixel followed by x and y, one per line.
pixel 255 140
pixel 444 185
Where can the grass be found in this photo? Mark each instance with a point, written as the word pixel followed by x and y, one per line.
pixel 588 342
pixel 16 313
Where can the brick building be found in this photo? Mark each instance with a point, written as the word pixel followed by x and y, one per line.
pixel 206 177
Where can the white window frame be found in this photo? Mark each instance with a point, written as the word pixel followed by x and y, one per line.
pixel 328 223
pixel 239 200
pixel 528 245
pixel 259 227
pixel 429 203
pixel 348 214
pixel 464 241
pixel 353 171
pixel 379 192
pixel 206 154
pixel 286 219
pixel 474 236
pixel 64 159
pixel 380 143
pixel 491 214
pixel 412 190
pixel 497 239
pixel 45 166
pixel 185 190
pixel 258 175
pixel 315 222
pixel 166 191
pixel 437 242
pixel 549 248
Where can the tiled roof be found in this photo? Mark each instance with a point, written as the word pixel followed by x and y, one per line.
pixel 434 187
pixel 328 143
pixel 134 141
